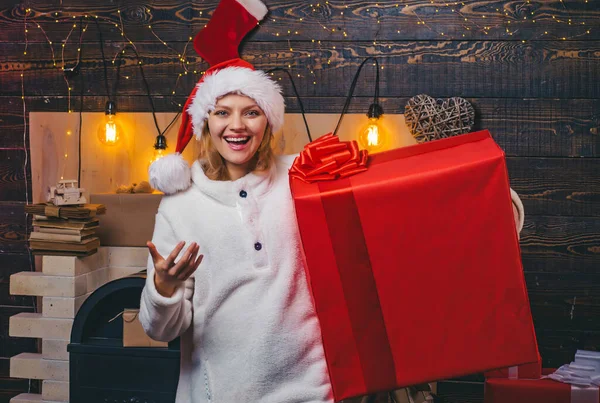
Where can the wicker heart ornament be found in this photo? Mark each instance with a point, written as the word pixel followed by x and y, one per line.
pixel 430 119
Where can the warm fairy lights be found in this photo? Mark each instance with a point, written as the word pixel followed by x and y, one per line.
pixel 512 20
pixel 74 20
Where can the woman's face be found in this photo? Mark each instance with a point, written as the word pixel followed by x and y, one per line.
pixel 237 127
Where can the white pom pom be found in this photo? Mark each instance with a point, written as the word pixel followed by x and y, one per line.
pixel 170 174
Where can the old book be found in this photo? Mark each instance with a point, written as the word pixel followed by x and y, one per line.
pixel 45 218
pixel 53 237
pixel 83 246
pixel 63 253
pixel 78 211
pixel 71 224
pixel 65 231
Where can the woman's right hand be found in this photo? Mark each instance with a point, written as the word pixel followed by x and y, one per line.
pixel 168 274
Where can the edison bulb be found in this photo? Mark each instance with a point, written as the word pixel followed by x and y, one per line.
pixel 110 131
pixel 160 148
pixel 158 154
pixel 373 136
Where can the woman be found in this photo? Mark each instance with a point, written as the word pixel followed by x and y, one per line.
pixel 248 328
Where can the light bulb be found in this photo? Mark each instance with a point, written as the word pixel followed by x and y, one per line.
pixel 110 131
pixel 157 154
pixel 373 137
pixel 160 149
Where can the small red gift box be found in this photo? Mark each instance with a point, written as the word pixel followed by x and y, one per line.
pixel 526 371
pixel 413 261
pixel 537 391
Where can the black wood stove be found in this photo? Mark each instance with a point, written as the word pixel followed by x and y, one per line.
pixel 101 369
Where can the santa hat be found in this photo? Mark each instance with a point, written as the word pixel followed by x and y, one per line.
pixel 218 44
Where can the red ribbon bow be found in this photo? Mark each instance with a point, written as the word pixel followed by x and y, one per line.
pixel 328 158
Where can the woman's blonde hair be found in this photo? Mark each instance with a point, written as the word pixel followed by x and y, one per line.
pixel 214 164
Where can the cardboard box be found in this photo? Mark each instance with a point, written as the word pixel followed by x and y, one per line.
pixel 414 263
pixel 129 218
pixel 133 332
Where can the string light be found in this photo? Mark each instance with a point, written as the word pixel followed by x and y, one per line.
pixel 195 66
pixel 185 63
pixel 504 15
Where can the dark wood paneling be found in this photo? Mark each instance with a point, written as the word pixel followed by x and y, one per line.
pixel 567 301
pixel 439 68
pixel 557 186
pixel 12 175
pixel 524 127
pixel 161 66
pixel 448 68
pixel 558 347
pixel 13 226
pixel 12 133
pixel 542 127
pixel 560 244
pixel 11 346
pixel 11 263
pixel 399 20
pixel 170 19
pixel 360 20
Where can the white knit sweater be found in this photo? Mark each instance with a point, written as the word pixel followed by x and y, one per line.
pixel 248 327
pixel 246 320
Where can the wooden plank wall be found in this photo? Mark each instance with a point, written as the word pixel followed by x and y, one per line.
pixel 530 68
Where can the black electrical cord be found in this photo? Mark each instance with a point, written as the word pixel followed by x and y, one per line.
pixel 80 102
pixel 103 59
pixel 297 96
pixel 147 87
pixel 353 86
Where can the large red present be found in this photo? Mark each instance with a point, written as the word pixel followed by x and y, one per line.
pixel 413 261
pixel 537 391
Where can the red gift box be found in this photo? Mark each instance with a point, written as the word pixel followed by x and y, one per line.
pixel 414 264
pixel 526 371
pixel 537 391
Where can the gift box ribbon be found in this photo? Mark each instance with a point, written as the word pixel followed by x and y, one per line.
pixel 322 161
pixel 328 158
pixel 350 250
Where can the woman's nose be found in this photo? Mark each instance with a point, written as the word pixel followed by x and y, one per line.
pixel 237 122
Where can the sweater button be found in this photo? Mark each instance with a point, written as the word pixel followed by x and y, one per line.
pixel 258 246
pixel 243 193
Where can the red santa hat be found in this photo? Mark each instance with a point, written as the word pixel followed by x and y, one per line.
pixel 218 44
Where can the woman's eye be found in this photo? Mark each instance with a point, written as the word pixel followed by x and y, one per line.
pixel 253 113
pixel 220 113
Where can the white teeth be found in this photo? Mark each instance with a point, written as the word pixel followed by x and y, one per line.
pixel 237 139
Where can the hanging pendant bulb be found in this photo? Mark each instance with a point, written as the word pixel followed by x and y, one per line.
pixel 373 137
pixel 110 131
pixel 160 147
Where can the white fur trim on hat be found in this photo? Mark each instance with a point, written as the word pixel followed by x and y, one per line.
pixel 255 84
pixel 170 174
pixel 255 7
pixel 519 205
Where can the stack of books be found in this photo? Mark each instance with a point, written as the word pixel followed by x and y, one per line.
pixel 65 230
